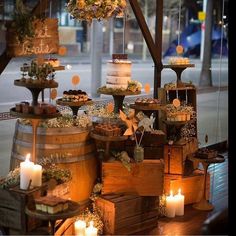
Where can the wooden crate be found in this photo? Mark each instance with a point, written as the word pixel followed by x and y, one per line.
pixel 191 186
pixel 175 157
pixel 144 179
pixel 66 228
pixel 127 214
pixel 153 145
pixel 12 209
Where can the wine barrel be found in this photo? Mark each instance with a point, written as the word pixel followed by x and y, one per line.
pixel 70 148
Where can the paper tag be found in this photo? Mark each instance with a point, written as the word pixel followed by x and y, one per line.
pixel 176 102
pixel 147 88
pixel 62 51
pixel 75 80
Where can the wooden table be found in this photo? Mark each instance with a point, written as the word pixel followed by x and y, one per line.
pixel 73 210
pixel 203 204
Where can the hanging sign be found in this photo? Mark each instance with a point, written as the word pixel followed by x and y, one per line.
pixel 176 102
pixel 53 94
pixel 179 49
pixel 75 80
pixel 147 88
pixel 62 51
pixel 201 15
pixel 45 40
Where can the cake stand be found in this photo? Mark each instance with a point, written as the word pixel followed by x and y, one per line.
pixel 35 119
pixel 118 97
pixel 108 140
pixel 74 209
pixel 178 70
pixel 35 89
pixel 74 106
pixel 203 204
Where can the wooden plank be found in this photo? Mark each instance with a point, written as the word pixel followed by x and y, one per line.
pixel 191 186
pixel 145 178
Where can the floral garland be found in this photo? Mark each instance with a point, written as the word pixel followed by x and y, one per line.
pixel 95 9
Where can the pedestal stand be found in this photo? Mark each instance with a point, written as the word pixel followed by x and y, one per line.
pixel 203 204
pixel 118 98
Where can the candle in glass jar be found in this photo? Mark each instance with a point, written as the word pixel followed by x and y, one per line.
pixel 91 231
pixel 179 210
pixel 170 205
pixel 26 171
pixel 80 227
pixel 37 176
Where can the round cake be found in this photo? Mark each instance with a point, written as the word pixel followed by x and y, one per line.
pixel 75 96
pixel 118 74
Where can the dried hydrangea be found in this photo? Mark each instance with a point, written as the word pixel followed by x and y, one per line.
pixel 188 131
pixel 12 179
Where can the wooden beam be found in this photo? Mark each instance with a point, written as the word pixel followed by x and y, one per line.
pixel 41 7
pixel 145 31
pixel 158 43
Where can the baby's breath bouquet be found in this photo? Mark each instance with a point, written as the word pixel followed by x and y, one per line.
pixel 95 9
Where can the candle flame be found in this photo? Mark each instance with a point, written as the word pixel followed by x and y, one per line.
pixel 171 193
pixel 27 157
pixel 179 191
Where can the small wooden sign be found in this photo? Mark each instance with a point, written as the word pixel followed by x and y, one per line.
pixel 53 94
pixel 119 56
pixel 45 40
pixel 147 88
pixel 110 107
pixel 179 49
pixel 176 102
pixel 62 51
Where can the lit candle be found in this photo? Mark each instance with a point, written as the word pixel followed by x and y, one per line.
pixel 170 205
pixel 91 231
pixel 80 226
pixel 26 170
pixel 37 176
pixel 179 210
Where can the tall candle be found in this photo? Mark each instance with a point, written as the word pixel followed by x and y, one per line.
pixel 26 170
pixel 91 231
pixel 179 210
pixel 80 226
pixel 37 176
pixel 170 205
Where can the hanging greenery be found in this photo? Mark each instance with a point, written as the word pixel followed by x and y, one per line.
pixel 95 9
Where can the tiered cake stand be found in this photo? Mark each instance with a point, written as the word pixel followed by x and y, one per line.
pixel 74 106
pixel 178 70
pixel 119 98
pixel 35 89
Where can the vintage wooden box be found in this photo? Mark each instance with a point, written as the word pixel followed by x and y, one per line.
pixel 144 179
pixel 175 157
pixel 12 209
pixel 127 214
pixel 191 186
pixel 153 145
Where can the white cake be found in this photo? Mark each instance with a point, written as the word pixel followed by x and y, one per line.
pixel 118 74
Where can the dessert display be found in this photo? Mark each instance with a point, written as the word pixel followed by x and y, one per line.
pixel 147 101
pixel 75 96
pixel 206 153
pixel 39 109
pixel 54 62
pixel 118 73
pixel 107 129
pixel 51 204
pixel 179 61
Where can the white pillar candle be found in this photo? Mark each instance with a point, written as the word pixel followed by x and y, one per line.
pixel 91 231
pixel 170 205
pixel 80 227
pixel 26 171
pixel 37 176
pixel 179 210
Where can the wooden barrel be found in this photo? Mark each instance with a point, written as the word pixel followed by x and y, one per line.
pixel 70 148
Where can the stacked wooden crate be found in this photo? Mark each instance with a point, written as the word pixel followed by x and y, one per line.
pixel 130 198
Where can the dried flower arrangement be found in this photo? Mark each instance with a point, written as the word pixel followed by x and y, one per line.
pixel 95 9
pixel 180 113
